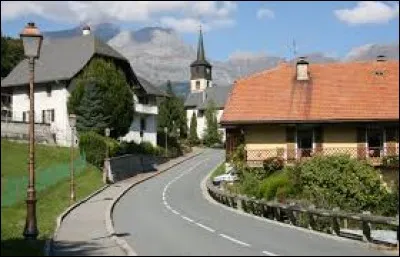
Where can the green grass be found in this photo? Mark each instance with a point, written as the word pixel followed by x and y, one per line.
pixel 14 157
pixel 51 202
pixel 218 171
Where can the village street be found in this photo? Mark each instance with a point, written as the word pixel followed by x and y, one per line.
pixel 170 215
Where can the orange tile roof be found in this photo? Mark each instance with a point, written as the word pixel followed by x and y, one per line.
pixel 336 91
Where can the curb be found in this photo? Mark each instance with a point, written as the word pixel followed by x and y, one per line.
pixel 49 243
pixel 109 222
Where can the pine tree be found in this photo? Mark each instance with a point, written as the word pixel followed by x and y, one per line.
pixel 193 138
pixel 90 112
pixel 211 133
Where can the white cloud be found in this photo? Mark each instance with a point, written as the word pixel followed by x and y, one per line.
pixel 217 14
pixel 265 13
pixel 369 12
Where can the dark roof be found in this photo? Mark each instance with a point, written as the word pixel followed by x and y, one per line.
pixel 150 88
pixel 61 59
pixel 218 94
pixel 201 55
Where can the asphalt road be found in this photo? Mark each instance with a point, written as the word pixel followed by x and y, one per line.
pixel 169 215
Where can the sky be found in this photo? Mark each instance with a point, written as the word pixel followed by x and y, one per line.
pixel 335 28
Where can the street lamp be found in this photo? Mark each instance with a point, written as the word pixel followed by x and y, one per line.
pixel 107 132
pixel 32 42
pixel 166 137
pixel 72 124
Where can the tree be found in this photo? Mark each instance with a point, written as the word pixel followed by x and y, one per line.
pixel 90 114
pixel 193 138
pixel 12 52
pixel 114 95
pixel 172 113
pixel 211 134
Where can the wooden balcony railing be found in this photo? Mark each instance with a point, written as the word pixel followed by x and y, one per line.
pixel 373 154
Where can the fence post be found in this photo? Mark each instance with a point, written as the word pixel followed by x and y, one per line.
pixel 239 205
pixel 366 228
pixel 335 225
pixel 311 219
pixel 292 215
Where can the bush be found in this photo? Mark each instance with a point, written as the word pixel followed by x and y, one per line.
pixel 250 185
pixel 391 161
pixel 276 186
pixel 95 146
pixel 238 159
pixel 142 148
pixel 340 181
pixel 273 164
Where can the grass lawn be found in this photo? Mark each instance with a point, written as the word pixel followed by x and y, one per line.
pixel 218 171
pixel 52 201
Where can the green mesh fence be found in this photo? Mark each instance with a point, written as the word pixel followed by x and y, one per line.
pixel 14 188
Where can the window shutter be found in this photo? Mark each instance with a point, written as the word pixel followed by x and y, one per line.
pixel 24 116
pixel 43 116
pixel 290 143
pixel 361 149
pixel 52 114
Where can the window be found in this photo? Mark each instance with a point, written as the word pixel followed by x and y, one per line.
pixel 197 85
pixel 305 142
pixel 201 113
pixel 208 83
pixel 25 116
pixel 374 141
pixel 142 124
pixel 48 116
pixel 48 90
pixel 143 100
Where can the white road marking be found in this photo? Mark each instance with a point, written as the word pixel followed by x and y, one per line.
pixel 234 240
pixel 205 227
pixel 186 218
pixel 177 213
pixel 269 253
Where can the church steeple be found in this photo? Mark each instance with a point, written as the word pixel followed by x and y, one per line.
pixel 200 48
pixel 200 69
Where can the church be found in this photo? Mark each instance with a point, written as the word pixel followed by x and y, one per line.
pixel 202 91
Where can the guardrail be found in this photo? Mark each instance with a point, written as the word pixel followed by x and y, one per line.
pixel 295 214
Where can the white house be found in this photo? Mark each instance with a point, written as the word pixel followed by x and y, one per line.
pixel 60 61
pixel 202 91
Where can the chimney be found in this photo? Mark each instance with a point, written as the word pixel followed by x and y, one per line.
pixel 302 69
pixel 381 58
pixel 86 30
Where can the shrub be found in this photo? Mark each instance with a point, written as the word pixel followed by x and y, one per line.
pixel 274 184
pixel 95 146
pixel 273 164
pixel 340 181
pixel 142 148
pixel 391 161
pixel 238 158
pixel 249 185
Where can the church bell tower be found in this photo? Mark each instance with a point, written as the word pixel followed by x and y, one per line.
pixel 200 70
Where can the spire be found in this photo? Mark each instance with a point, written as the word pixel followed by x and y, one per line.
pixel 200 48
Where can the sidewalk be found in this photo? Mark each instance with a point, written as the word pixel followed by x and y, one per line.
pixel 83 231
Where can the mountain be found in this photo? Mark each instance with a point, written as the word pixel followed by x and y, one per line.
pixel 159 54
pixel 371 51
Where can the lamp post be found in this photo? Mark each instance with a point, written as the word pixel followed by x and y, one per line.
pixel 107 133
pixel 72 123
pixel 32 42
pixel 166 144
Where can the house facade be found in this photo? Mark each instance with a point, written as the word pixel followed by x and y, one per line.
pixel 202 91
pixel 301 110
pixel 60 61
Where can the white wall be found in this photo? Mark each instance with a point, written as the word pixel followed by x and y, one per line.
pixel 57 101
pixel 201 122
pixel 149 135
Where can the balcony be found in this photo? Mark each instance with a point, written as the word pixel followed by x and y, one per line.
pixel 146 109
pixel 374 155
